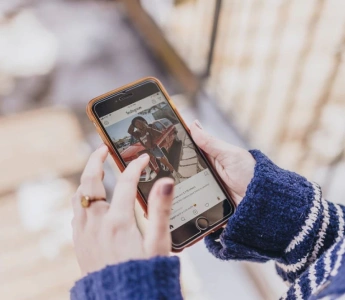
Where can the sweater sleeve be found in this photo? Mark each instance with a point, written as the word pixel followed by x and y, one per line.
pixel 282 217
pixel 155 278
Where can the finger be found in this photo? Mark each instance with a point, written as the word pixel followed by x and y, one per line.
pixel 157 237
pixel 92 181
pixel 94 168
pixel 78 211
pixel 208 143
pixel 125 192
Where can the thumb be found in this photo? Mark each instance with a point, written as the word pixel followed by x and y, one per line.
pixel 209 144
pixel 157 238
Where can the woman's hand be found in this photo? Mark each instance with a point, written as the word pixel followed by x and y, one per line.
pixel 234 165
pixel 106 234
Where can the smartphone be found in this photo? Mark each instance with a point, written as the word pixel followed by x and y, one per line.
pixel 141 118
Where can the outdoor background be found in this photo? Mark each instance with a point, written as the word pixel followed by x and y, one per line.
pixel 264 74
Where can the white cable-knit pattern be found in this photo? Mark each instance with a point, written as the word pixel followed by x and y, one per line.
pixel 293 267
pixel 327 263
pixel 341 224
pixel 319 243
pixel 322 232
pixel 340 254
pixel 298 291
pixel 340 234
pixel 309 223
pixel 312 278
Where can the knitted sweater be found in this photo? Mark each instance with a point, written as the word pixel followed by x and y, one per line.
pixel 282 217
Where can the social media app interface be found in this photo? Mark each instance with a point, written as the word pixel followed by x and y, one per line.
pixel 151 126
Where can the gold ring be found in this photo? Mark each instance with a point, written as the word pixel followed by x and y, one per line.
pixel 86 201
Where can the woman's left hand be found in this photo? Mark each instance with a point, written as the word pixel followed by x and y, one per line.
pixel 107 234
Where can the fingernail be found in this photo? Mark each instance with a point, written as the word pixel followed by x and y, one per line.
pixel 197 123
pixel 144 155
pixel 167 189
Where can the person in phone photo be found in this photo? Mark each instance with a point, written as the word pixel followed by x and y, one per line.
pixel 147 136
pixel 280 217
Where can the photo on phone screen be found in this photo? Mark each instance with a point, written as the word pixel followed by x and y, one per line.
pixel 150 126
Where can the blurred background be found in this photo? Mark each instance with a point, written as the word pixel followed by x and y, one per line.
pixel 265 74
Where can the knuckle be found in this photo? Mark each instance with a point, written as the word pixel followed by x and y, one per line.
pixel 122 221
pixel 165 212
pixel 108 223
pixel 208 141
pixel 97 209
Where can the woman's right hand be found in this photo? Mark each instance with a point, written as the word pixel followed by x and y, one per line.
pixel 234 165
pixel 108 234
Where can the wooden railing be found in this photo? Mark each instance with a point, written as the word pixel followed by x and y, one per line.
pixel 274 67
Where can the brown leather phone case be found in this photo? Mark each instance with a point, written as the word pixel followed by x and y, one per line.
pixel 118 161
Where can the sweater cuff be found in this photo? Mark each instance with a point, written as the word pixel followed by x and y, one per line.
pixel 155 278
pixel 278 204
pixel 282 217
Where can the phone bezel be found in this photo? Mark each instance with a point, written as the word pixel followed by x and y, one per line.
pixel 118 93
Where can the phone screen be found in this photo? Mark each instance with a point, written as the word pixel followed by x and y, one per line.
pixel 149 125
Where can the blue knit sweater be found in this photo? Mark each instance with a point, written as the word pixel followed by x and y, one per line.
pixel 283 217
